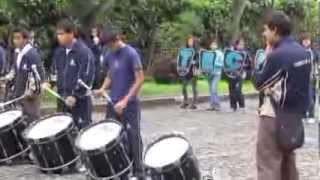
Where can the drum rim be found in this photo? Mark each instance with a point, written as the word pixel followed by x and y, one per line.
pixel 60 166
pixel 46 139
pixel 200 59
pixel 173 164
pixel 227 73
pixel 104 147
pixel 16 121
pixel 28 147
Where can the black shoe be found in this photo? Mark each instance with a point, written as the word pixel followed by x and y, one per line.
pixel 210 109
pixel 193 106
pixel 183 105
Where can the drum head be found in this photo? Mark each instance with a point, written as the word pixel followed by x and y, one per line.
pixel 49 127
pixel 9 117
pixel 98 136
pixel 166 152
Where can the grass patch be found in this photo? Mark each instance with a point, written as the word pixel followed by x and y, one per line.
pixel 152 89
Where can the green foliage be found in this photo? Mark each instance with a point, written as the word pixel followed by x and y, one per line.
pixel 173 34
pixel 158 26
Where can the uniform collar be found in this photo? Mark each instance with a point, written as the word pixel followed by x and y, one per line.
pixel 283 40
pixel 74 46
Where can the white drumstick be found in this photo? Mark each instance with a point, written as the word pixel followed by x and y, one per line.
pixel 89 89
pixel 12 101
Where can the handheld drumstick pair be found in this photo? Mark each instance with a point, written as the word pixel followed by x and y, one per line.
pixel 90 89
pixel 106 96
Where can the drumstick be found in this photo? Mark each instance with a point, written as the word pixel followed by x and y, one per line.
pixel 89 89
pixel 54 93
pixel 12 101
pixel 106 96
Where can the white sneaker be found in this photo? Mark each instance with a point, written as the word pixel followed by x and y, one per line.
pixel 81 169
pixel 242 110
pixel 311 120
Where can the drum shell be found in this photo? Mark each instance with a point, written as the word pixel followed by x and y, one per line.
pixel 114 155
pixel 186 168
pixel 11 139
pixel 55 152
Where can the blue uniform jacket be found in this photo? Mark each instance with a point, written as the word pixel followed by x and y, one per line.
pixel 78 64
pixel 30 59
pixel 288 67
pixel 2 61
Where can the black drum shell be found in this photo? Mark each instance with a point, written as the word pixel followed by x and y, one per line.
pixel 11 139
pixel 187 163
pixel 116 151
pixel 53 152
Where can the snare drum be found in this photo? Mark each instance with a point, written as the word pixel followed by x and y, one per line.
pixel 12 144
pixel 104 150
pixel 52 143
pixel 171 157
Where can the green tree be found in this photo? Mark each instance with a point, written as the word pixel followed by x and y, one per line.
pixel 143 18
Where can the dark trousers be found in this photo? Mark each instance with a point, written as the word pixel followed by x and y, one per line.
pixel 185 82
pixel 261 98
pixel 235 93
pixel 312 99
pixel 81 112
pixel 131 121
pixel 272 162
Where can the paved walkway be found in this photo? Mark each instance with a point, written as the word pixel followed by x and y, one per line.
pixel 224 141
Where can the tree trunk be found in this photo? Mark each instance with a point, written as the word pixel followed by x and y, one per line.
pixel 272 3
pixel 151 50
pixel 238 8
